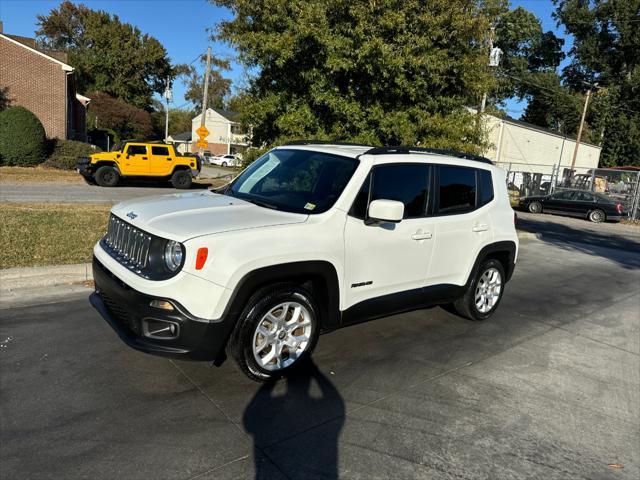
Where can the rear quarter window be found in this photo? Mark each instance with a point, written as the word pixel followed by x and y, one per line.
pixel 486 187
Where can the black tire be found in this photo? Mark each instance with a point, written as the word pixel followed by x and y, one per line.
pixel 466 306
pixel 241 344
pixel 181 179
pixel 224 164
pixel 597 216
pixel 107 176
pixel 535 207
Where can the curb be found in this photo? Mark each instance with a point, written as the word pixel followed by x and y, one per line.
pixel 32 277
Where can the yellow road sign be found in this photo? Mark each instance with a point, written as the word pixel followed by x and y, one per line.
pixel 202 143
pixel 202 132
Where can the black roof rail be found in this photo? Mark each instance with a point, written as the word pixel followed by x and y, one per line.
pixel 437 151
pixel 323 142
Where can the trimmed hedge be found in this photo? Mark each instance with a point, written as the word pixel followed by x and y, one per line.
pixel 22 138
pixel 66 152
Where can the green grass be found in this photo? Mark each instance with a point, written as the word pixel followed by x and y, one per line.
pixel 49 234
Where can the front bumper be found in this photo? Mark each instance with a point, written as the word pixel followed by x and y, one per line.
pixel 129 313
pixel 83 167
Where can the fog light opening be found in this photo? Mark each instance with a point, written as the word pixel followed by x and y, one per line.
pixel 160 329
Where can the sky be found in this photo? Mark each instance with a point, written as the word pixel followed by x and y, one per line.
pixel 181 26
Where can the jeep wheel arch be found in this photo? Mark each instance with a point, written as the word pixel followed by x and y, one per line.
pixel 504 251
pixel 318 276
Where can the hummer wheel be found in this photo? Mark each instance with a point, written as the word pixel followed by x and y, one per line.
pixel 107 176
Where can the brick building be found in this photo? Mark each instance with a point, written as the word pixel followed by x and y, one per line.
pixel 42 81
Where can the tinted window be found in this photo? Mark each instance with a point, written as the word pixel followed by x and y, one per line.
pixel 566 195
pixel 137 150
pixel 584 197
pixel 163 151
pixel 404 183
pixel 457 190
pixel 486 187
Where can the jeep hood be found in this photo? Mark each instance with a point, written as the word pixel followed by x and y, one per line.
pixel 183 216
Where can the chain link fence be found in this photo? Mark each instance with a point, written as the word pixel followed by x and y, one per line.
pixel 621 185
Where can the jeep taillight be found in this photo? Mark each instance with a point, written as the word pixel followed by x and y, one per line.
pixel 619 208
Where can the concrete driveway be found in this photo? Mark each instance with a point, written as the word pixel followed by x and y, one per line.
pixel 82 193
pixel 547 388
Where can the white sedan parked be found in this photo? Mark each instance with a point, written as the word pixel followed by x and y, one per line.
pixel 225 160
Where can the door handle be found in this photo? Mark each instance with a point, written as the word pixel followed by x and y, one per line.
pixel 144 158
pixel 420 235
pixel 480 228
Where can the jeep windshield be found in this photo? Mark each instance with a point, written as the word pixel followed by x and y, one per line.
pixel 298 181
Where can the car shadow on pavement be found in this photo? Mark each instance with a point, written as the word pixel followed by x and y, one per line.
pixel 141 183
pixel 607 245
pixel 272 413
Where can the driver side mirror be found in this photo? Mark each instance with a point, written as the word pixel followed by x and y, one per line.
pixel 385 211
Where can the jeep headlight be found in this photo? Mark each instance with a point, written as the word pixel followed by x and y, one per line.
pixel 173 255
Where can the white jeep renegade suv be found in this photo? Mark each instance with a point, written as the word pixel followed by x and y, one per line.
pixel 309 238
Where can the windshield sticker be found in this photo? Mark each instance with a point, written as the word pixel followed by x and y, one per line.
pixel 310 206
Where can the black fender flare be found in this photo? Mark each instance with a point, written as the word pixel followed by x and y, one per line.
pixel 322 274
pixel 507 248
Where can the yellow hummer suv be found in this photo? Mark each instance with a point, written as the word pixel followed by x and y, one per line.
pixel 140 159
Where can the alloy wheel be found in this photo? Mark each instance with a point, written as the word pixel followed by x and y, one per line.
pixel 488 290
pixel 282 336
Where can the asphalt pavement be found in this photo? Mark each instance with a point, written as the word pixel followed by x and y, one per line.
pixel 547 388
pixel 82 193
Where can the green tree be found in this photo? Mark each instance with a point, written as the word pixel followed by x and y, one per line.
pixel 22 138
pixel 606 51
pixel 109 56
pixel 219 87
pixel 380 72
pixel 179 121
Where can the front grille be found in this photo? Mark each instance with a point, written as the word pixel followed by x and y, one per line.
pixel 127 244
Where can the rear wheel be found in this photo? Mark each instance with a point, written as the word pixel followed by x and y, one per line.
pixel 181 179
pixel 276 332
pixel 597 216
pixel 535 207
pixel 107 176
pixel 224 164
pixel 484 293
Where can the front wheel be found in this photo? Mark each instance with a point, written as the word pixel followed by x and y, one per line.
pixel 181 179
pixel 224 164
pixel 535 207
pixel 107 176
pixel 484 292
pixel 276 332
pixel 597 216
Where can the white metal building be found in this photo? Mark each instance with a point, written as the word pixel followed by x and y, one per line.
pixel 524 147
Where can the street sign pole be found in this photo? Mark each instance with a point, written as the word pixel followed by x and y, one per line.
pixel 204 103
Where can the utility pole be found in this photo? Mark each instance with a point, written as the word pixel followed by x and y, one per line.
pixel 205 95
pixel 494 61
pixel 584 114
pixel 167 98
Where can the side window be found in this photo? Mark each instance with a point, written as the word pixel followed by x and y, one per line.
pixel 457 190
pixel 565 195
pixel 161 151
pixel 405 183
pixel 136 150
pixel 584 197
pixel 486 187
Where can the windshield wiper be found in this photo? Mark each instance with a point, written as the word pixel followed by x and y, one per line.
pixel 261 203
